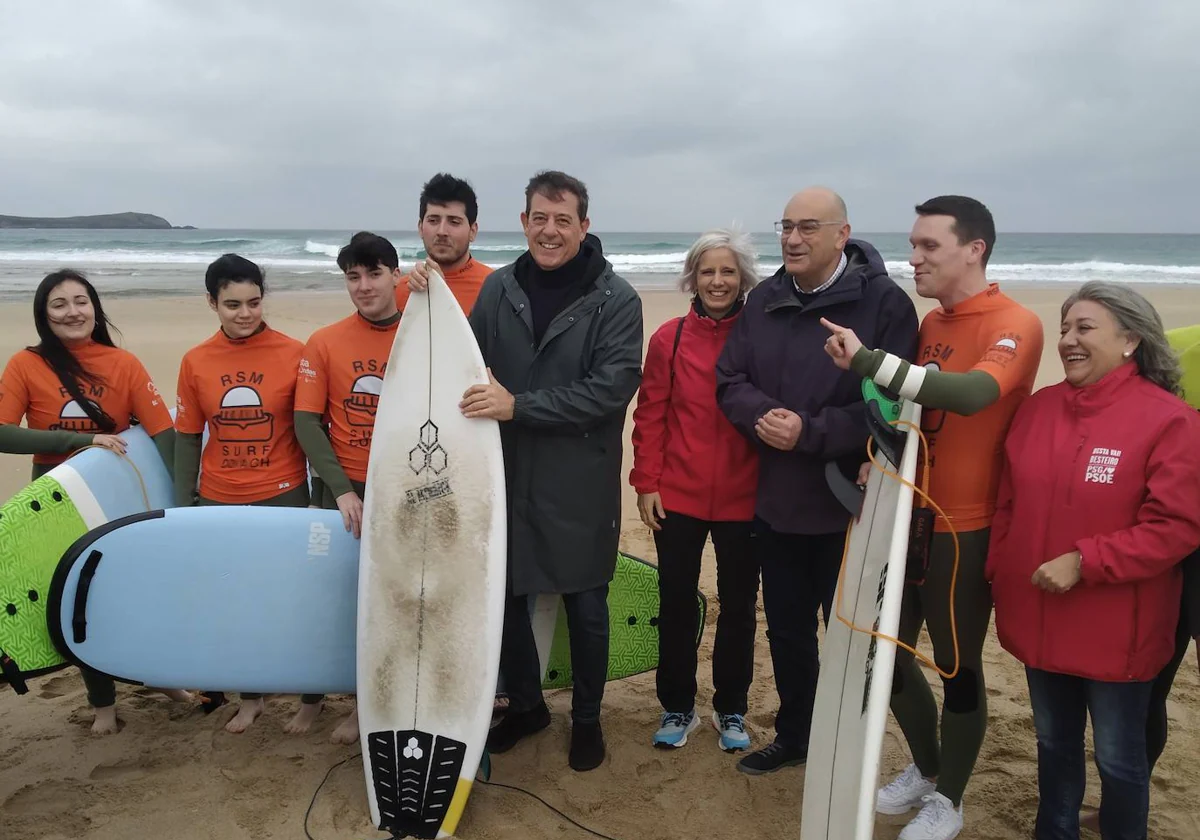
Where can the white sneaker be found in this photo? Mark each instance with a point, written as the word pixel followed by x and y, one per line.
pixel 904 793
pixel 937 820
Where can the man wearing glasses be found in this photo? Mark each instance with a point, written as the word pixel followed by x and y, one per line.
pixel 776 386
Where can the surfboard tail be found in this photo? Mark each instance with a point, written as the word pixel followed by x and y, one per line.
pixel 415 776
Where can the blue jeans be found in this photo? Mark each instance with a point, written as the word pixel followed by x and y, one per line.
pixel 1061 705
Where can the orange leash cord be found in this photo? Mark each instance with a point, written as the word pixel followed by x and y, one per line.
pixel 953 576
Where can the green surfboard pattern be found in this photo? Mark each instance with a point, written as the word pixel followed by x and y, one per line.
pixel 633 626
pixel 37 526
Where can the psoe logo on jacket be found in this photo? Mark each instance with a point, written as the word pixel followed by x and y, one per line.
pixel 1102 466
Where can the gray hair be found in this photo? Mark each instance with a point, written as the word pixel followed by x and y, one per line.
pixel 1136 316
pixel 736 241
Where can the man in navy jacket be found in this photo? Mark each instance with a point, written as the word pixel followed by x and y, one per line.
pixel 775 385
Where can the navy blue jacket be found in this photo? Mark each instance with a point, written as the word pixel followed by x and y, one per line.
pixel 775 358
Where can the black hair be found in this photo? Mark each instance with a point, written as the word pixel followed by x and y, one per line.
pixel 442 189
pixel 972 220
pixel 232 268
pixel 552 184
pixel 59 357
pixel 368 250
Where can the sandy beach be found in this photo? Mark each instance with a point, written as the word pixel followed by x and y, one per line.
pixel 174 772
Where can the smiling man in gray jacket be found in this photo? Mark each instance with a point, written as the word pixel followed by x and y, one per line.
pixel 561 334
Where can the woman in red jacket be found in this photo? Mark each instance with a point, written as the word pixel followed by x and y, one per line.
pixel 1099 502
pixel 695 475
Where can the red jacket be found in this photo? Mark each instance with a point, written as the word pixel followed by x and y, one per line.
pixel 688 451
pixel 1111 470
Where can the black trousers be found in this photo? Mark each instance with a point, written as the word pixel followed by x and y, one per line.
pixel 587 626
pixel 1189 627
pixel 680 546
pixel 799 577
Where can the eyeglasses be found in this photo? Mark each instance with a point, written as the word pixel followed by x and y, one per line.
pixel 807 227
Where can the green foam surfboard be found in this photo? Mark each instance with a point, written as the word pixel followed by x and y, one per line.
pixel 37 526
pixel 633 626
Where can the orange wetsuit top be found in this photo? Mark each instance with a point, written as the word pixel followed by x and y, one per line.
pixel 245 391
pixel 125 392
pixel 465 283
pixel 341 376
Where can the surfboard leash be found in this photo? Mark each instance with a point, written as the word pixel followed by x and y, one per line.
pixel 128 460
pixel 312 803
pixel 953 575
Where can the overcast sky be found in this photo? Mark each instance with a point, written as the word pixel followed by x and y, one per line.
pixel 1071 115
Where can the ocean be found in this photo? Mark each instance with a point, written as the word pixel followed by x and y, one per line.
pixel 127 262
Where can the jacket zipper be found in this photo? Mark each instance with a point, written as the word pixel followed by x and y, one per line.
pixel 1133 637
pixel 1073 477
pixel 712 484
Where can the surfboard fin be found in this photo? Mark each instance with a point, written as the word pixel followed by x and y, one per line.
pixel 847 492
pixel 888 438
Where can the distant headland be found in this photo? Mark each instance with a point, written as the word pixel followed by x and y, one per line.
pixel 109 221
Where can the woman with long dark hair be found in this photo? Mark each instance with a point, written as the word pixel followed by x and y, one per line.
pixel 241 384
pixel 76 388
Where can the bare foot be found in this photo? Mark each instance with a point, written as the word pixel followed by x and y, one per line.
pixel 304 719
pixel 177 694
pixel 106 721
pixel 347 730
pixel 249 710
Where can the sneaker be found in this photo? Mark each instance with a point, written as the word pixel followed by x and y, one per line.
pixel 770 758
pixel 587 746
pixel 905 792
pixel 733 732
pixel 517 725
pixel 938 819
pixel 675 729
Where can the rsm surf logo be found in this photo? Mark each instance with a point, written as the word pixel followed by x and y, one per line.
pixel 318 540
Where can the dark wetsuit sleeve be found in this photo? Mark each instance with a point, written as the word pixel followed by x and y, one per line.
pixel 316 445
pixel 961 393
pixel 164 442
pixel 187 467
pixel 18 440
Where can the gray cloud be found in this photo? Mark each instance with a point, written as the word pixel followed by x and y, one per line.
pixel 1072 115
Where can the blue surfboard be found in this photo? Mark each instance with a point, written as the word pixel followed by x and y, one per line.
pixel 264 599
pixel 232 598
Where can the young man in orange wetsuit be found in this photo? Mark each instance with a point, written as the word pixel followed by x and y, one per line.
pixel 340 379
pixel 978 353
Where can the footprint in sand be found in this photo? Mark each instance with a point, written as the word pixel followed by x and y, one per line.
pixel 115 770
pixel 56 687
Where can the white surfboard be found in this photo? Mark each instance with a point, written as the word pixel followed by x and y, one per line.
pixel 432 571
pixel 855 683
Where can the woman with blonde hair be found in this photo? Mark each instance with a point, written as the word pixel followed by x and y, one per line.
pixel 695 476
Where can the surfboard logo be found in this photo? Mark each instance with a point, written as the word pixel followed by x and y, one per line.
pixel 318 540
pixel 363 401
pixel 73 418
pixel 242 419
pixel 428 454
